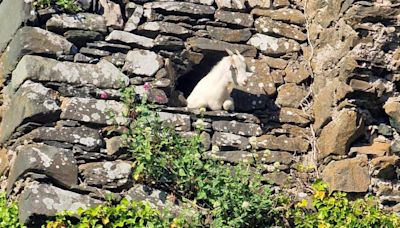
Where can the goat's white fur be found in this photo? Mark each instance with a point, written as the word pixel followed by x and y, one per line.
pixel 213 91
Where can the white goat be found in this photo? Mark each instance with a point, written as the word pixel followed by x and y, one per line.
pixel 213 91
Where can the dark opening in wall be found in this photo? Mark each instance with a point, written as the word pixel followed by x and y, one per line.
pixel 188 81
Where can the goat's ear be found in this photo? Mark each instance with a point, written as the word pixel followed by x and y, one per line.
pixel 229 52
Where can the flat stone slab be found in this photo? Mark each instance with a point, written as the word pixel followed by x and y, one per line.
pixel 56 163
pixel 109 174
pixel 47 200
pixel 182 8
pixel 282 142
pixel 268 26
pixel 32 102
pixel 223 139
pixel 234 127
pixel 89 138
pixel 102 75
pixel 273 46
pixel 234 18
pixel 209 45
pixel 229 35
pixel 179 122
pixel 142 63
pixel 153 28
pixel 34 40
pixel 288 15
pixel 60 23
pixel 93 111
pixel 131 39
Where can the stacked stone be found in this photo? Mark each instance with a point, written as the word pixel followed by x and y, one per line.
pixel 62 74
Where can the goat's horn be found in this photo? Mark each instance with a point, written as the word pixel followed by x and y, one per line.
pixel 229 52
pixel 237 52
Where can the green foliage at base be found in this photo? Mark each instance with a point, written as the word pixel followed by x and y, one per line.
pixel 125 214
pixel 70 6
pixel 8 213
pixel 336 210
pixel 226 196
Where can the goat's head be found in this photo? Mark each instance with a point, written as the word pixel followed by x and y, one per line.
pixel 238 68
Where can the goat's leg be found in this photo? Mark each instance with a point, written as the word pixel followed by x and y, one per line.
pixel 228 104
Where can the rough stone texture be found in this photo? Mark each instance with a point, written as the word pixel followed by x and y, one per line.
pixel 154 28
pixel 31 40
pixel 294 144
pixel 12 15
pixel 134 19
pixel 179 122
pixel 81 37
pixel 385 167
pixel 288 15
pixel 268 26
pixel 222 139
pixel 4 163
pixel 36 68
pixel 112 14
pixel 294 116
pixel 209 45
pixel 273 46
pixel 31 102
pixel 338 135
pixel 83 21
pixel 392 109
pixel 47 200
pixel 86 137
pixel 245 129
pixel 130 39
pixel 260 3
pixel 245 156
pixel 109 175
pixel 142 63
pixel 92 110
pixel 376 149
pixel 297 72
pixel 230 4
pixel 279 178
pixel 56 163
pixel 182 8
pixel 235 18
pixel 348 175
pixel 290 95
pixel 156 198
pixel 229 35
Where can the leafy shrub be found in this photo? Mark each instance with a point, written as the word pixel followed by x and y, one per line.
pixel 8 213
pixel 336 210
pixel 70 6
pixel 125 214
pixel 227 196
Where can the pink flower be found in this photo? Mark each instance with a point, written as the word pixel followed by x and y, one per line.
pixel 147 86
pixel 159 99
pixel 103 94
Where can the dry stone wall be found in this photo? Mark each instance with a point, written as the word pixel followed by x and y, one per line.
pixel 323 101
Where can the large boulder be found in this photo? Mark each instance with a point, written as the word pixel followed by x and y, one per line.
pixel 142 63
pixel 57 164
pixel 33 40
pixel 349 175
pixel 31 102
pixel 102 75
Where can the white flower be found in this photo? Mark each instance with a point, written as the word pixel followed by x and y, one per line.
pixel 245 204
pixel 253 140
pixel 276 165
pixel 214 148
pixel 202 110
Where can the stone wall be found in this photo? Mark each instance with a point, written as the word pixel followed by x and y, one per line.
pixel 323 101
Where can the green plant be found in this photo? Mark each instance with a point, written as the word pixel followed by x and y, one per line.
pixel 226 196
pixel 70 6
pixel 8 213
pixel 336 210
pixel 125 214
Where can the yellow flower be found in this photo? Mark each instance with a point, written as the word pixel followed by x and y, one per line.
pixel 302 203
pixel 319 195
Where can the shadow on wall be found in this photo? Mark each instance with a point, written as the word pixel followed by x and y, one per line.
pixel 188 81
